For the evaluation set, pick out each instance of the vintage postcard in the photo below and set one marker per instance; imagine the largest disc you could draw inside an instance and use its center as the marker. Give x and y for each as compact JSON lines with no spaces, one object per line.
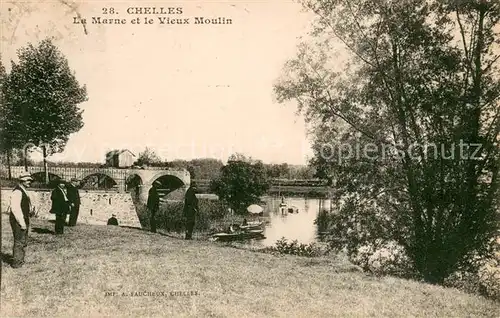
{"x":232,"y":158}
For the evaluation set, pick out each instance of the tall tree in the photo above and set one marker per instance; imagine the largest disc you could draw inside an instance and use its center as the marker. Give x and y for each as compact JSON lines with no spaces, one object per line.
{"x":13,"y":132}
{"x":148,"y":157}
{"x":206,"y":168}
{"x":192,"y":172}
{"x":241,"y":182}
{"x":45,"y":95}
{"x":409,"y":127}
{"x":5,"y":142}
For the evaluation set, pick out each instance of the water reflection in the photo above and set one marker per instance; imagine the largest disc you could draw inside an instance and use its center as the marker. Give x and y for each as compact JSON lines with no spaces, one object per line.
{"x":297,"y":226}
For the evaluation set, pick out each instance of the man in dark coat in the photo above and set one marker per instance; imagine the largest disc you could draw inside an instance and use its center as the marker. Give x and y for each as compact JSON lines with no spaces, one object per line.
{"x":190,"y":210}
{"x":153,"y":205}
{"x":74,"y":200}
{"x":60,"y":206}
{"x":19,"y":217}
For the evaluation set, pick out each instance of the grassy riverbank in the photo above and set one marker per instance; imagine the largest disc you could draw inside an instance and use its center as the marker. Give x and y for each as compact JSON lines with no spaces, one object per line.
{"x":70,"y":275}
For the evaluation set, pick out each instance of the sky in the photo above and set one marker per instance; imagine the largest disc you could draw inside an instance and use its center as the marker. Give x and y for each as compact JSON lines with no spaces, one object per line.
{"x":185,"y":91}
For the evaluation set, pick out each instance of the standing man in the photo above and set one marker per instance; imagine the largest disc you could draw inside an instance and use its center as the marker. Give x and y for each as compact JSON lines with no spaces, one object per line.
{"x":74,"y":200}
{"x":190,"y":210}
{"x":19,"y":217}
{"x":60,"y":206}
{"x":153,"y":205}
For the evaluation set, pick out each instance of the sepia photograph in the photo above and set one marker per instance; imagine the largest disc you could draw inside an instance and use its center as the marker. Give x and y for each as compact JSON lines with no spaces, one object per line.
{"x":250,"y":158}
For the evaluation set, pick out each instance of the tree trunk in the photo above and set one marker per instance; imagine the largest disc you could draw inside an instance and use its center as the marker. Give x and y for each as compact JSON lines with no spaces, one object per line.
{"x":26,"y":159}
{"x":9,"y":153}
{"x":45,"y":170}
{"x":1,"y":262}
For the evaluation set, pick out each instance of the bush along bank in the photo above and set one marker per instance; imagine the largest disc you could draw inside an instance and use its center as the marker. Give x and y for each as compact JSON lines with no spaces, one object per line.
{"x":283,"y":246}
{"x":389,"y":258}
{"x":170,"y":217}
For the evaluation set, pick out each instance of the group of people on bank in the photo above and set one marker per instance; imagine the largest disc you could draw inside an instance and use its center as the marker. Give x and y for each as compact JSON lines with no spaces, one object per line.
{"x":66,"y":201}
{"x":190,"y":208}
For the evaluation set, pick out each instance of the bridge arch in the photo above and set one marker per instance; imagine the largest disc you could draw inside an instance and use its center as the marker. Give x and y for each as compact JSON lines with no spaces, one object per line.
{"x":178,"y":175}
{"x":133,"y":182}
{"x":168,"y":183}
{"x":98,"y":181}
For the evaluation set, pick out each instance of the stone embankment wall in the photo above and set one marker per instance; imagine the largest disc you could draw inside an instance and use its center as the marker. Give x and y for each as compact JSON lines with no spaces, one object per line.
{"x":96,"y":206}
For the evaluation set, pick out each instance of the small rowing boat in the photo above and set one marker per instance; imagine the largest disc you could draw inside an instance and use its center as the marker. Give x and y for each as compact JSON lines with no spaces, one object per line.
{"x":239,"y":236}
{"x":293,"y":209}
{"x":252,"y":226}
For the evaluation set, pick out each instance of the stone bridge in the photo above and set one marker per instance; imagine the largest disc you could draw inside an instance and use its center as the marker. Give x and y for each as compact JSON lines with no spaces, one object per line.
{"x":127,"y":198}
{"x":122,"y":179}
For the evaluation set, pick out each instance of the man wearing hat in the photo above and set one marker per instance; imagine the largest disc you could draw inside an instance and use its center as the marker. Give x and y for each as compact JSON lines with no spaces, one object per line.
{"x":60,"y":206}
{"x":153,"y":205}
{"x":19,"y":217}
{"x":74,"y":200}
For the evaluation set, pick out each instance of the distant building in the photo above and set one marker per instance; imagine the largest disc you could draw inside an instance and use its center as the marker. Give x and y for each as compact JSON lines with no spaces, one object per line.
{"x":120,"y":158}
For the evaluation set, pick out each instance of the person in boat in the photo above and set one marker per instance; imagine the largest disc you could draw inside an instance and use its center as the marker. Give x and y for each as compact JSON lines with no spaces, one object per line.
{"x":233,"y":228}
{"x":283,"y":205}
{"x":245,"y":222}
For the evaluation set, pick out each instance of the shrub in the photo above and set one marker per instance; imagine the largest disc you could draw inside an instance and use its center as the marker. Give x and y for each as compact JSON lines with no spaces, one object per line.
{"x":322,"y":221}
{"x":171,"y":216}
{"x":485,"y":282}
{"x":210,"y":211}
{"x":386,"y":257}
{"x":295,"y":248}
{"x":143,"y":214}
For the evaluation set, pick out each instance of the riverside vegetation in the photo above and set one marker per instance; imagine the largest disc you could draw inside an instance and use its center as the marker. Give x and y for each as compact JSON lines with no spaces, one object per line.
{"x":212,"y":215}
{"x":213,"y":218}
{"x":388,"y":259}
{"x":414,"y":77}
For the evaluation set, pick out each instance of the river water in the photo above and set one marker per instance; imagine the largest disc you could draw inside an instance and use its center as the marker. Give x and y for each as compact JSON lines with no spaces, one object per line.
{"x":292,"y":226}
